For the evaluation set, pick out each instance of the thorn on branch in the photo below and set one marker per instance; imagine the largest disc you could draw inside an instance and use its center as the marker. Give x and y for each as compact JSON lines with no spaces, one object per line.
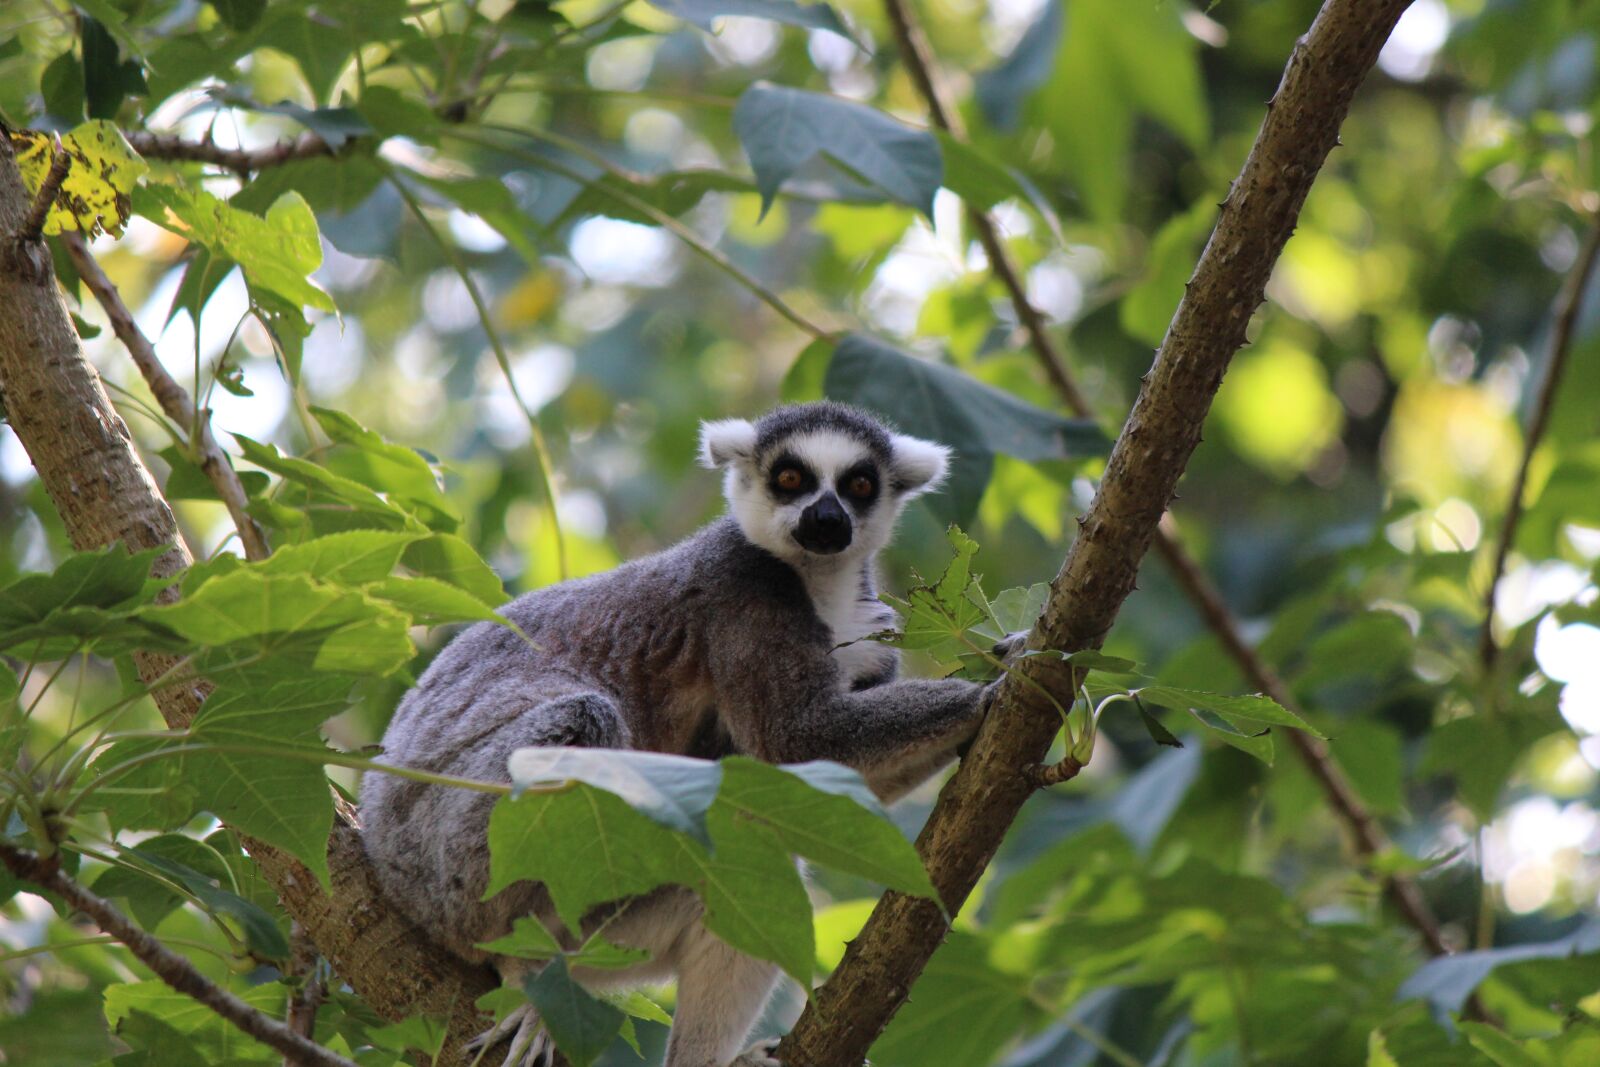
{"x":60,"y":163}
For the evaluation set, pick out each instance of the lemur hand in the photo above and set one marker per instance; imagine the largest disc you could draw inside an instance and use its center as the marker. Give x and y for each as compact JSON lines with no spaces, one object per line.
{"x":1011,"y":644}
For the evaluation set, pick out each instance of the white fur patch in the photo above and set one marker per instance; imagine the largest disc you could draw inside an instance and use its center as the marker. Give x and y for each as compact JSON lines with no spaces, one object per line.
{"x":919,"y":465}
{"x":723,"y":441}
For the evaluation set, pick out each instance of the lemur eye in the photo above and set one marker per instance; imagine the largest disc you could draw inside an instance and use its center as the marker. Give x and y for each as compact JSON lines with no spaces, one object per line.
{"x":790,"y":478}
{"x":860,"y":487}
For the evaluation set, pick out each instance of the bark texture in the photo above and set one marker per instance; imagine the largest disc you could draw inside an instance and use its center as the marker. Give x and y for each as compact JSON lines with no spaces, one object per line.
{"x":980,"y":802}
{"x":87,"y":461}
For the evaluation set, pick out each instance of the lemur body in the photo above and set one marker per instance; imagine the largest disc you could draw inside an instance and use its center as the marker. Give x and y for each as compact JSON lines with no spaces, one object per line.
{"x":727,"y":642}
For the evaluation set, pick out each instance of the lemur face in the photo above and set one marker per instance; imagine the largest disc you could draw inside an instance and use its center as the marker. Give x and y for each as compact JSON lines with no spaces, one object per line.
{"x":819,"y":481}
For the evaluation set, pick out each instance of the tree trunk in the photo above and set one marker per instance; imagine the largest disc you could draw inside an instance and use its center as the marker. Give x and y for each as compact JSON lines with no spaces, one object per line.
{"x":88,"y":464}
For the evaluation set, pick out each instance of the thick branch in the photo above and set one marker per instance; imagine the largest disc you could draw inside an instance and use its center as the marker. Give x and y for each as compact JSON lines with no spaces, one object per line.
{"x":979,"y":803}
{"x":242,"y":161}
{"x":1568,"y":306}
{"x":87,"y":463}
{"x":171,"y":396}
{"x":1365,"y":833}
{"x":168,"y":966}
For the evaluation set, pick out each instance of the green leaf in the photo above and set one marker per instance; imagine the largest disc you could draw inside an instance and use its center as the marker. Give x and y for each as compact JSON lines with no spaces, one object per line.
{"x":186,"y":481}
{"x":582,"y":1025}
{"x":92,"y":597}
{"x":215,"y":1040}
{"x":586,"y":845}
{"x":674,"y":791}
{"x":704,"y":13}
{"x":782,"y":129}
{"x":431,"y":602}
{"x":1095,"y":660}
{"x":803,"y":382}
{"x":494,"y":203}
{"x":283,"y":800}
{"x":400,"y":473}
{"x":937,"y":618}
{"x":261,"y":933}
{"x":107,"y":76}
{"x":320,"y":50}
{"x":1253,"y":707}
{"x":753,"y":895}
{"x":1504,"y":1050}
{"x":1002,"y":90}
{"x":324,"y":483}
{"x":289,"y":615}
{"x":1447,"y":981}
{"x":450,"y":559}
{"x":825,"y":812}
{"x":338,"y":126}
{"x":1018,"y":608}
{"x":1257,"y":743}
{"x":240,"y":16}
{"x":277,"y":252}
{"x":1158,"y":733}
{"x":529,"y":938}
{"x":355,"y":557}
{"x":940,"y":403}
{"x":975,"y":177}
{"x":675,"y":192}
{"x":1480,"y":751}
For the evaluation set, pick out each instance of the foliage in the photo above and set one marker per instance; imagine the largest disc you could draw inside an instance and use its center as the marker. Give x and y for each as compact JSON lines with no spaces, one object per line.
{"x":469,"y":274}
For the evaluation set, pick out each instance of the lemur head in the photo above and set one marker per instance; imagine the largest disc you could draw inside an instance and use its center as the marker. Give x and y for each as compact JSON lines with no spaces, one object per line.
{"x":823,"y":480}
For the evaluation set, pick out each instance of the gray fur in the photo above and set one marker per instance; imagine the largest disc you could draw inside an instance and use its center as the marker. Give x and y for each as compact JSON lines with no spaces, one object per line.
{"x":713,"y":646}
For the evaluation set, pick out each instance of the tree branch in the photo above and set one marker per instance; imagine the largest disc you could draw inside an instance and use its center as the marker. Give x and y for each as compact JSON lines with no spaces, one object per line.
{"x":60,"y":163}
{"x":1366,"y":835}
{"x":168,"y":966}
{"x":1568,"y":305}
{"x":87,"y":463}
{"x":979,"y":803}
{"x":171,"y":396}
{"x":242,"y":161}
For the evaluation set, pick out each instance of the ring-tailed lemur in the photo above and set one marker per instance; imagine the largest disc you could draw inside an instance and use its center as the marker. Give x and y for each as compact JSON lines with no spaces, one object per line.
{"x":735,"y":640}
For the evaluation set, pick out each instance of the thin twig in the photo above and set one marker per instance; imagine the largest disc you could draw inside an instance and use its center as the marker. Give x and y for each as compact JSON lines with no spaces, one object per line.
{"x":60,"y":163}
{"x":172,"y":397}
{"x":541,"y":449}
{"x":307,"y":995}
{"x":242,"y":161}
{"x":170,"y":967}
{"x":1366,"y":835}
{"x":1568,"y":306}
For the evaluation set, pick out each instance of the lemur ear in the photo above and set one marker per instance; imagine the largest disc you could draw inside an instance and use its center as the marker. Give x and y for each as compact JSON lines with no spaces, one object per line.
{"x":724,"y":441}
{"x":919,"y":466}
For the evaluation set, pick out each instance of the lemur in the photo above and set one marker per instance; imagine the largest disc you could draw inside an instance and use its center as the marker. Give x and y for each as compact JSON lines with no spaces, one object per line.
{"x":744,"y":638}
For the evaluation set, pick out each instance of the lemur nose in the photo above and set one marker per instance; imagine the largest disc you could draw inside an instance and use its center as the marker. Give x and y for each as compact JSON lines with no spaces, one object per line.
{"x":824,"y":526}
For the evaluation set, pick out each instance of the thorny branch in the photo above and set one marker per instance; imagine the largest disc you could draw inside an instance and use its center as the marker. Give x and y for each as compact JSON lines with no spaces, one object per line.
{"x":242,"y":161}
{"x":168,"y":966}
{"x":1366,"y":835}
{"x":848,"y":1012}
{"x":172,"y":397}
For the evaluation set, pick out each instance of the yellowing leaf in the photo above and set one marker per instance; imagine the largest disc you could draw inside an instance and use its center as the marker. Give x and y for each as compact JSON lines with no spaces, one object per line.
{"x":95,"y":194}
{"x":530,"y":300}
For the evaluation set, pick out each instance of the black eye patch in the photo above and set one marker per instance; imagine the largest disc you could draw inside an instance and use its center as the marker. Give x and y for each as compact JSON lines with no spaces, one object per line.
{"x":860,"y":485}
{"x":789,"y":478}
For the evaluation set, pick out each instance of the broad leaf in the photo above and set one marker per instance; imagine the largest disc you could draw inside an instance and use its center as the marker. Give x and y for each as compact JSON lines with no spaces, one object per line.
{"x":675,"y":791}
{"x":782,"y":129}
{"x":826,"y":813}
{"x":1252,"y":707}
{"x":278,"y":252}
{"x":582,"y":1025}
{"x":1447,"y":981}
{"x":704,"y":13}
{"x":95,"y":193}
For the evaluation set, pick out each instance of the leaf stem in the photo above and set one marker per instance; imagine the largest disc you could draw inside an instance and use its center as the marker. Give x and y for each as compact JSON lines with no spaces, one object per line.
{"x":541,"y":450}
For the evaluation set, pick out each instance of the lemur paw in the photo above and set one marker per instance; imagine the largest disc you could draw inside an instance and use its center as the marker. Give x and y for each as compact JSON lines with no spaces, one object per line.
{"x":530,"y":1044}
{"x":759,"y":1055}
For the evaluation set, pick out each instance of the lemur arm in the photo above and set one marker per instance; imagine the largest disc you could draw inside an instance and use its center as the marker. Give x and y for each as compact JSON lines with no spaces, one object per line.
{"x":782,"y":700}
